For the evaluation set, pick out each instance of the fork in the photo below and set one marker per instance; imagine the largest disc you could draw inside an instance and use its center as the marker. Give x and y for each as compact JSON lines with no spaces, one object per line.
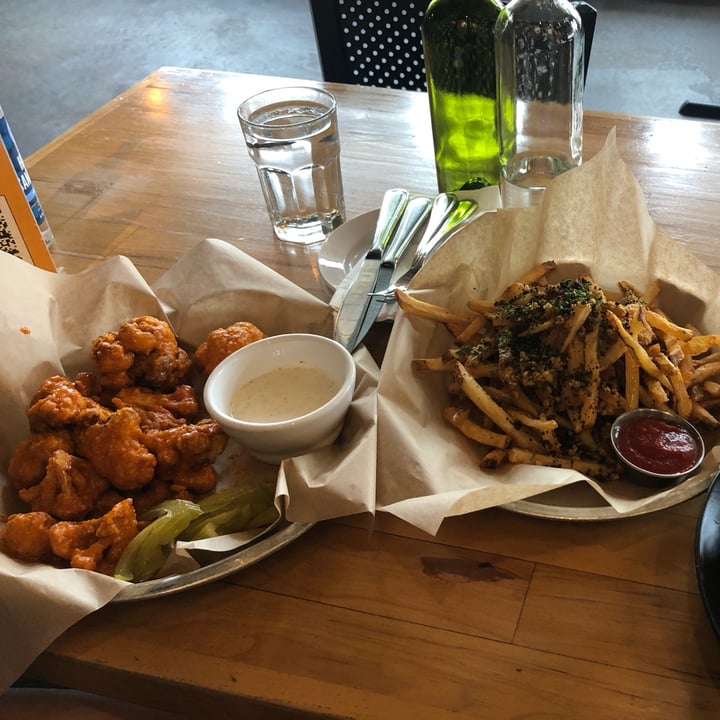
{"x":444,"y":221}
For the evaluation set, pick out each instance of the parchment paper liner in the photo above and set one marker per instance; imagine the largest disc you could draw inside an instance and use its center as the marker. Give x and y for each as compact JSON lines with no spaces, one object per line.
{"x":592,"y":218}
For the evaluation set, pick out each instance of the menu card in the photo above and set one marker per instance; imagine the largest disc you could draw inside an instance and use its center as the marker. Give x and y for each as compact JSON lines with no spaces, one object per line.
{"x":19,"y":231}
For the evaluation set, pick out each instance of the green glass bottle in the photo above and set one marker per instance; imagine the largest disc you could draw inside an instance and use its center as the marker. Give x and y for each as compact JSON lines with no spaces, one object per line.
{"x":459,"y":48}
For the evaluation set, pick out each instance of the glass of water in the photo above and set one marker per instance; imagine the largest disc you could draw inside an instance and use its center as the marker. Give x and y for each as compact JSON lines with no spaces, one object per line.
{"x":292,"y":137}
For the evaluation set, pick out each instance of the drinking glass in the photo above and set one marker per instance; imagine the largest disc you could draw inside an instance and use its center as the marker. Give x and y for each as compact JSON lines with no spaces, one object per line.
{"x":292,"y":137}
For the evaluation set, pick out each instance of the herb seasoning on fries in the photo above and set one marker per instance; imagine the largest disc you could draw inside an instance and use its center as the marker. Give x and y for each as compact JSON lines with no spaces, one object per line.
{"x":539,"y":373}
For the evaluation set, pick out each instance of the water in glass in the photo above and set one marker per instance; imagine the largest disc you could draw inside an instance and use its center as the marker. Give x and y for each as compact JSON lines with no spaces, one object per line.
{"x":296,"y":150}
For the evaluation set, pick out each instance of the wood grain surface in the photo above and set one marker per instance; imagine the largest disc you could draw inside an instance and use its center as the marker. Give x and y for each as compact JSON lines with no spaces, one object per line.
{"x":498,"y":616}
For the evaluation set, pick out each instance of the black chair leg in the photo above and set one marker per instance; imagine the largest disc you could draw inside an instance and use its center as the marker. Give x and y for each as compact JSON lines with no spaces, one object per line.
{"x":700,"y":110}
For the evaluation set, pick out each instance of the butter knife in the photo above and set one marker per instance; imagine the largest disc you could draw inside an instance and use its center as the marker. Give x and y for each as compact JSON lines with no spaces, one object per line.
{"x":415,"y":215}
{"x":355,"y":303}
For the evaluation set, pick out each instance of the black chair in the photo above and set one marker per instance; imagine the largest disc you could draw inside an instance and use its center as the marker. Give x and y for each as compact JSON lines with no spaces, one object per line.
{"x":380,"y":44}
{"x":704,"y":111}
{"x":361,"y":44}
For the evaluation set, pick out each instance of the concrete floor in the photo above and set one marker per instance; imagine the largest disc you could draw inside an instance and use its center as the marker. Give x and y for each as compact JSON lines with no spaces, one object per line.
{"x":62,"y":60}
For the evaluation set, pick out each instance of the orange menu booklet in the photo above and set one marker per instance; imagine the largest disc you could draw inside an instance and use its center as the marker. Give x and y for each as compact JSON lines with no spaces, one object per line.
{"x":19,"y":232}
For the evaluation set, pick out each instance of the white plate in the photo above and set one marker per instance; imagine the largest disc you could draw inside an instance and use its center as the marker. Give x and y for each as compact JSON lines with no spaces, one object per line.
{"x":345,"y":246}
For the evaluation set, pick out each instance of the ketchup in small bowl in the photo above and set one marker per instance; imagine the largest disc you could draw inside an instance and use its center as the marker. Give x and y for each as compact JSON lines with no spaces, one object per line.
{"x":659,"y":446}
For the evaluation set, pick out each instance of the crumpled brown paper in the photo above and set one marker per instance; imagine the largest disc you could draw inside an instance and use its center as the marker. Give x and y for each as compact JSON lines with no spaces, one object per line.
{"x":592,"y":218}
{"x":47,"y":323}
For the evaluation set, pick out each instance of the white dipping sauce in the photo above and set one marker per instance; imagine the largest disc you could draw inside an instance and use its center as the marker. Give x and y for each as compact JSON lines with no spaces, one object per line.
{"x":282,"y":394}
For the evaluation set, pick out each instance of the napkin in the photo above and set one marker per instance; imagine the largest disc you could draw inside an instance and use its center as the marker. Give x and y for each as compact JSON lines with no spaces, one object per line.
{"x":47,"y":323}
{"x":592,"y":218}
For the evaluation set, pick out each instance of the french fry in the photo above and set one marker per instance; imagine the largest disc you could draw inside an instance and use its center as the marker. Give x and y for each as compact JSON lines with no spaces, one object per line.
{"x":587,"y":467}
{"x":706,"y":371}
{"x":425,"y":309}
{"x":700,"y":414}
{"x":706,"y":359}
{"x":653,"y":395}
{"x":477,"y":394}
{"x":589,"y":407}
{"x":493,"y":458}
{"x":533,"y":275}
{"x":436,"y":364}
{"x":484,"y":307}
{"x":641,"y":354}
{"x":613,"y":354}
{"x":580,"y":315}
{"x":537,"y":273}
{"x":632,"y":382}
{"x":572,"y":391}
{"x":683,"y":404}
{"x":472,"y":329}
{"x":675,"y":351}
{"x":610,"y":402}
{"x":660,"y":322}
{"x":628,"y":291}
{"x":702,"y":343}
{"x":542,"y":425}
{"x":651,"y":293}
{"x":522,"y":401}
{"x":482,"y":370}
{"x":711,"y":388}
{"x":460,"y":419}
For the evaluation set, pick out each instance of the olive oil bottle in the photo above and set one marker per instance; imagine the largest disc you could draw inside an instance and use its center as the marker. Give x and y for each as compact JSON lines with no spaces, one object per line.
{"x":459,"y":48}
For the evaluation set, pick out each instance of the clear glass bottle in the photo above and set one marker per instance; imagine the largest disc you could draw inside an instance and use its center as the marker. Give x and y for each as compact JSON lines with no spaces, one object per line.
{"x":540,"y":78}
{"x":8,"y":140}
{"x":459,"y":49}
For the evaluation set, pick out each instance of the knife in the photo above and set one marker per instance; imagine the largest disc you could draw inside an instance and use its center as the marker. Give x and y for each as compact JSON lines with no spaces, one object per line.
{"x":413,"y":218}
{"x":357,"y":299}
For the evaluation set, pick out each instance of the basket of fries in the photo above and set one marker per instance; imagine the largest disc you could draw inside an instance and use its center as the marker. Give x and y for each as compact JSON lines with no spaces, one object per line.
{"x":522,"y":340}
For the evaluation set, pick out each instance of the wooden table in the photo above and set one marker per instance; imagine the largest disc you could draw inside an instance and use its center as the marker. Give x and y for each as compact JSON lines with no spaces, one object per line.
{"x":499,"y":615}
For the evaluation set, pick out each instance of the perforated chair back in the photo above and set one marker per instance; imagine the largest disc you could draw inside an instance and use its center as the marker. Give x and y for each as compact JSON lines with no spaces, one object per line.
{"x":379,"y":42}
{"x":368,"y":42}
